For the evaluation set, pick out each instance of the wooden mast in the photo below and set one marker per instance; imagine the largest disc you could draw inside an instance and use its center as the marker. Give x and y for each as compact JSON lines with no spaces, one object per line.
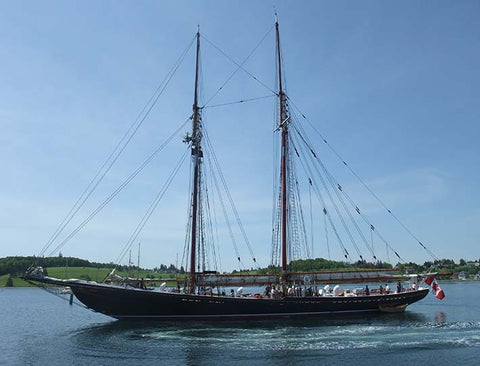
{"x":283,"y":124}
{"x":196,"y":155}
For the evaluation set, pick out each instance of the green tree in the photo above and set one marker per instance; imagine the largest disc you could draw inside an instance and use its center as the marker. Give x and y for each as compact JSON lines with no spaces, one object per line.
{"x":9,"y":282}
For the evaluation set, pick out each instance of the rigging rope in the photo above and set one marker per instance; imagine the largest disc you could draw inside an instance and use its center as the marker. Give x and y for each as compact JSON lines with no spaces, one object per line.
{"x":335,"y":206}
{"x":364,"y":184}
{"x":311,"y":214}
{"x":117,"y":151}
{"x":45,"y":288}
{"x":151,"y":208}
{"x":308,"y":171}
{"x":225,"y":214}
{"x":239,"y":101}
{"x":368,"y":222}
{"x":302,"y":220}
{"x":239,"y":66}
{"x":276,"y":193}
{"x":336,"y":187}
{"x":186,"y":247}
{"x":326,"y":234}
{"x":119,"y":188}
{"x":210,"y":224}
{"x":354,"y":206}
{"x":229,"y":196}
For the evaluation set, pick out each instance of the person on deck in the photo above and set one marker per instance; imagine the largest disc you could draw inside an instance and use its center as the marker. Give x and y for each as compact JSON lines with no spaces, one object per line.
{"x":367,"y":290}
{"x":267,"y":290}
{"x":399,"y":287}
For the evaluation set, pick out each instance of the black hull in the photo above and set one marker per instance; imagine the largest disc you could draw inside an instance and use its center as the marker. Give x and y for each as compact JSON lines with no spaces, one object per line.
{"x":129,"y":303}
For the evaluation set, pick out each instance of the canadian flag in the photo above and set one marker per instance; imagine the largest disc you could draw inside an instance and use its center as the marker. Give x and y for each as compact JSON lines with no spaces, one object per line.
{"x":439,"y":294}
{"x":429,"y":280}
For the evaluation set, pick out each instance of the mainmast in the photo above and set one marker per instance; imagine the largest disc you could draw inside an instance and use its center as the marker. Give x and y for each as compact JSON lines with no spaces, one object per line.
{"x":197,"y":156}
{"x":283,"y":125}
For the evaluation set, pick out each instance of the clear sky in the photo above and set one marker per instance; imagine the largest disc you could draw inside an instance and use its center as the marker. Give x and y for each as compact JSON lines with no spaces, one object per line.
{"x":393,"y":86}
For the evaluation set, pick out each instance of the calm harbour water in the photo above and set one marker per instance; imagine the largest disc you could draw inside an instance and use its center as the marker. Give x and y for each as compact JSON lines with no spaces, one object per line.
{"x":40,"y":329}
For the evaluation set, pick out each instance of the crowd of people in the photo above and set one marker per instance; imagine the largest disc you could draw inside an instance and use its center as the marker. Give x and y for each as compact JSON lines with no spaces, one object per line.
{"x":273,"y":291}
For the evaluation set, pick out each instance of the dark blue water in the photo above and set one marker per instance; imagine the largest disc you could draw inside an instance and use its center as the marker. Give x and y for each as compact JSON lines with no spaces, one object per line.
{"x":40,"y":329}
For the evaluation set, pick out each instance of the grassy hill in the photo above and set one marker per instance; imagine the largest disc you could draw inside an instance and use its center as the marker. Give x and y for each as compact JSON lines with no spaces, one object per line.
{"x":98,"y":274}
{"x":66,"y":268}
{"x":17,"y":281}
{"x":88,"y":273}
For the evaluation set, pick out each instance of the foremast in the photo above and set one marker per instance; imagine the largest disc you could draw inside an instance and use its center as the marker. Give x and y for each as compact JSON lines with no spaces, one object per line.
{"x":197,"y":157}
{"x":283,"y":126}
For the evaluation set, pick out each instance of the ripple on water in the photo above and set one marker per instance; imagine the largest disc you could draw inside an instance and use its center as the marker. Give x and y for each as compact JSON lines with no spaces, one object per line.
{"x":426,"y":336}
{"x":389,"y":334}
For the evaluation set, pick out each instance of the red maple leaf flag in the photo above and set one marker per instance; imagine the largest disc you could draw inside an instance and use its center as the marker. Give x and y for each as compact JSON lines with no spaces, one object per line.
{"x":429,"y":280}
{"x":440,"y":294}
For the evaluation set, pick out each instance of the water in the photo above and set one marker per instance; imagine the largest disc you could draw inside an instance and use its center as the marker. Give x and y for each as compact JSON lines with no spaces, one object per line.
{"x":39,"y":329}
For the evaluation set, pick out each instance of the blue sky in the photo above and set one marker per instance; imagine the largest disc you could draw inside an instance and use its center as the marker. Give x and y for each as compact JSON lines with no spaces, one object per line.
{"x":393,"y":86}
